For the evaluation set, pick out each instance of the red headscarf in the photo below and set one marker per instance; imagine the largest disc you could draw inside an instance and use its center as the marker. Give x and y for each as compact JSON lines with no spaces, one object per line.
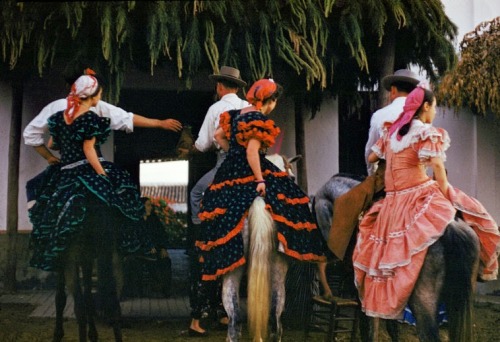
{"x":85,"y":86}
{"x":413,"y":102}
{"x":260,"y":91}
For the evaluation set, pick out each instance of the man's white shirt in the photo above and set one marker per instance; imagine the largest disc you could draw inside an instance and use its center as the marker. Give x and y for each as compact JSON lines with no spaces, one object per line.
{"x":388,"y":113}
{"x":34,"y":133}
{"x":205,"y":140}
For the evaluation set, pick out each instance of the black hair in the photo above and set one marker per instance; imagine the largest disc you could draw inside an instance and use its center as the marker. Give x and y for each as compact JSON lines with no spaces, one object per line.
{"x":403,"y":86}
{"x":429,"y":98}
{"x":70,"y":76}
{"x":276,"y":95}
{"x":228,"y":84}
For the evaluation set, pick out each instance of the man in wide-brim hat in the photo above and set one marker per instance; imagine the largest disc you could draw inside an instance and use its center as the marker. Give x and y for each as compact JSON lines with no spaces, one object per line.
{"x":399,"y":85}
{"x":228,"y":84}
{"x":229,"y":74}
{"x":400,"y":76}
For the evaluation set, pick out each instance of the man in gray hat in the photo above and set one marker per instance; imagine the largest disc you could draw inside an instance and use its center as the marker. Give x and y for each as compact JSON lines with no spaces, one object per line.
{"x":399,"y":85}
{"x":228,"y":82}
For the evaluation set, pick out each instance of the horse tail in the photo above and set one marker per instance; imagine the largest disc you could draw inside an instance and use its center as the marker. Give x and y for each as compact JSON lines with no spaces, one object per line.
{"x":259,"y":269}
{"x":461,"y":250}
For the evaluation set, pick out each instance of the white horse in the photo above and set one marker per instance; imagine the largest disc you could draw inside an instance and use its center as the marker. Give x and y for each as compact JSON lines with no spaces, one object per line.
{"x":266,"y":274}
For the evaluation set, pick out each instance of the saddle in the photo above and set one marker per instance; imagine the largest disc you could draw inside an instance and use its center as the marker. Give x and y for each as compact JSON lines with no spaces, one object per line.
{"x":348,"y":208}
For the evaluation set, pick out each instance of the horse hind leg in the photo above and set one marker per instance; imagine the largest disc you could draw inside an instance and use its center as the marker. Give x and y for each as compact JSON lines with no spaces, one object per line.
{"x":392,"y":328}
{"x":104,"y":225}
{"x":425,"y":298}
{"x":108,"y":294}
{"x":460,"y":244}
{"x":89,"y":300}
{"x":278,"y":274}
{"x":60,"y":302}
{"x":73,"y":281}
{"x":231,"y":301}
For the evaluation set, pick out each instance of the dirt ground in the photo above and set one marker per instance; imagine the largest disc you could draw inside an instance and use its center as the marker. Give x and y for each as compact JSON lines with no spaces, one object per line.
{"x":17,"y":326}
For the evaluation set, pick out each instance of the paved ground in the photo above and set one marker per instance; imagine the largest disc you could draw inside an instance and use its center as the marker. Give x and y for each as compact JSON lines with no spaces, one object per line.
{"x":177,"y":306}
{"x":166,"y":308}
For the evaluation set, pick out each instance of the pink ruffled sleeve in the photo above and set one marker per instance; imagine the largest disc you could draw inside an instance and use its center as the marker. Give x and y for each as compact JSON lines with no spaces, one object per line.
{"x":433,"y":143}
{"x":379,"y":147}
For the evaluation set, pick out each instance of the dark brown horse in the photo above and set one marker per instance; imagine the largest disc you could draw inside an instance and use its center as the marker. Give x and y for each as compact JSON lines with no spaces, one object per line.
{"x":96,"y":244}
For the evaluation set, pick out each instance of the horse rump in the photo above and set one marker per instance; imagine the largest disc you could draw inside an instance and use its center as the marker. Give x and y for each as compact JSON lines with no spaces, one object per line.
{"x":461,"y":254}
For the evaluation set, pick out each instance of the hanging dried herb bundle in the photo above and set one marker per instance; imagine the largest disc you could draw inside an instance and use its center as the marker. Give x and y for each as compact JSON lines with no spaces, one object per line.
{"x":475,"y":82}
{"x":317,"y":44}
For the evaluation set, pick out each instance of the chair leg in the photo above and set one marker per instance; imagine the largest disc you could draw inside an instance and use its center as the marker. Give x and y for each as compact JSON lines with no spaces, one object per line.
{"x":332,"y":326}
{"x":307,"y":327}
{"x":355,"y":324}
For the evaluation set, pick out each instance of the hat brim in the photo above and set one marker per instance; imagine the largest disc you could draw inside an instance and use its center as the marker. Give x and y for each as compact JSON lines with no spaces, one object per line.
{"x":389,"y":80}
{"x":238,"y":81}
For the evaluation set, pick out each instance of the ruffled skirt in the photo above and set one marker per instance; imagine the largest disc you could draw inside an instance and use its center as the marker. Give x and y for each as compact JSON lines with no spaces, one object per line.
{"x":392,"y":243}
{"x":476,"y":216}
{"x":61,"y":208}
{"x":225,"y":207}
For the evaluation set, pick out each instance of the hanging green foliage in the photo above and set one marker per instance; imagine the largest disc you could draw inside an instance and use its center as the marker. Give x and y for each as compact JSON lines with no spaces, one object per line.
{"x":319,"y":45}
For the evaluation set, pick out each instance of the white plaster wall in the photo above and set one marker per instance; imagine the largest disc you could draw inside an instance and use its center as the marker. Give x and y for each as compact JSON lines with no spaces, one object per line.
{"x":488,"y":164}
{"x":5,"y":113}
{"x":284,"y":117}
{"x":459,"y":163}
{"x":322,"y":145}
{"x":467,"y":14}
{"x":322,"y":141}
{"x":474,"y":158}
{"x":37,"y":93}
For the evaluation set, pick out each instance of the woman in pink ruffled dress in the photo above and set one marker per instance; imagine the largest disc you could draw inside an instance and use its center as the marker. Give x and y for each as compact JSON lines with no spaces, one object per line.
{"x":396,"y":232}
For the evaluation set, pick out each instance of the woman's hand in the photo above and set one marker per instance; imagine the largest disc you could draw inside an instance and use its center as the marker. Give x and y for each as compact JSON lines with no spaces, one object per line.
{"x":163,"y":253}
{"x":261,"y":188}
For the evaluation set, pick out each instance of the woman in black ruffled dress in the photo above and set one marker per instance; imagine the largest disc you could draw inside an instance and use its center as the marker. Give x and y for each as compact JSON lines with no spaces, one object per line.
{"x":87,"y":200}
{"x":245,"y":174}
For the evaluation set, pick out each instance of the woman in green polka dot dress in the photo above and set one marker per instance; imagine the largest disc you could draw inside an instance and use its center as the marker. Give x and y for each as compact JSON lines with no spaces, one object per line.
{"x":87,"y":195}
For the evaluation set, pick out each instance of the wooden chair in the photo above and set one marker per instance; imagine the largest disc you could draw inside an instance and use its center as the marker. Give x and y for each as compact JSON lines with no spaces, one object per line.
{"x":338,"y":314}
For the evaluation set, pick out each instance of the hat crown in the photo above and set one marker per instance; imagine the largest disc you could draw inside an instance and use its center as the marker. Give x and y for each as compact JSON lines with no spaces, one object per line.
{"x":229,"y":71}
{"x":401,"y":75}
{"x":230,"y":74}
{"x":405,"y":73}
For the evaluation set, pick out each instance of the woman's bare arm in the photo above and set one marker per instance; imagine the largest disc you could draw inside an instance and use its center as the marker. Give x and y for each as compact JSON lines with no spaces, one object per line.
{"x":220,"y":138}
{"x":440,"y":174}
{"x":253,"y":159}
{"x":372,"y":158}
{"x":91,"y":154}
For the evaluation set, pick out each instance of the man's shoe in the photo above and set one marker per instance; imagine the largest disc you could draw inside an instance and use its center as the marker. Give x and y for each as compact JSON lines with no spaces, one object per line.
{"x":194,"y":333}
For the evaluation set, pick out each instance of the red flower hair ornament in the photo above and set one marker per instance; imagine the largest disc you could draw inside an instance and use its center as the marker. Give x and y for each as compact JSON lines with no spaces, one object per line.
{"x":260,"y":91}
